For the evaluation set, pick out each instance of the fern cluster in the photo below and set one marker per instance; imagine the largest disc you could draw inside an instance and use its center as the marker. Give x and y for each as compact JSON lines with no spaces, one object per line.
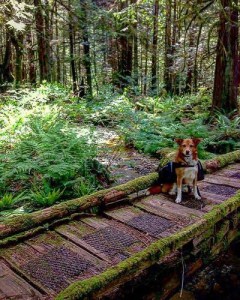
{"x":51,"y":161}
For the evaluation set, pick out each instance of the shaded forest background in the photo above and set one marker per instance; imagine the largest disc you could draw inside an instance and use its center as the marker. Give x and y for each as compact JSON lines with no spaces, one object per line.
{"x":148,"y":47}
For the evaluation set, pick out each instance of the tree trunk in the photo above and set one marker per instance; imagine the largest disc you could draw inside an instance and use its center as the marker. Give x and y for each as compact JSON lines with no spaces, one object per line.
{"x":126,"y":50}
{"x":58,"y":57}
{"x":42,"y":47}
{"x":190,"y":61}
{"x":146,"y":67}
{"x":168,"y":47}
{"x":154,"y":48}
{"x":72,"y":54}
{"x":86,"y":47}
{"x":17,"y":41}
{"x":31,"y":58}
{"x":195,"y":70}
{"x":226,"y":69}
{"x":6,"y":67}
{"x":135,"y":50}
{"x":48,"y":35}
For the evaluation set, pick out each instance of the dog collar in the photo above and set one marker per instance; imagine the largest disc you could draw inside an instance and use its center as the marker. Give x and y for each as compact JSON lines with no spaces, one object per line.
{"x":181,"y":165}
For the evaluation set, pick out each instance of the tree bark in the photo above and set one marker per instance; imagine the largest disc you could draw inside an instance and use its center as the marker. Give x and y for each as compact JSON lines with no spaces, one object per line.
{"x":6,"y":67}
{"x":86,"y":48}
{"x":42,"y":47}
{"x":155,"y":47}
{"x":72,"y":54}
{"x":226,"y":69}
{"x":168,"y":48}
{"x":125,"y":41}
{"x":31,"y":59}
{"x":17,"y":41}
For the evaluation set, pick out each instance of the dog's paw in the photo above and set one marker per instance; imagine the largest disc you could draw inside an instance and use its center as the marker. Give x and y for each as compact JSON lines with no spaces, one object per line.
{"x":197,"y":197}
{"x":172,"y":193}
{"x":178,"y":200}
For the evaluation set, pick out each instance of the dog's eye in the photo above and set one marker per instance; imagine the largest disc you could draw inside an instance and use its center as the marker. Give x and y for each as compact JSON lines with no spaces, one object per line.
{"x":191,"y":146}
{"x":184,"y":146}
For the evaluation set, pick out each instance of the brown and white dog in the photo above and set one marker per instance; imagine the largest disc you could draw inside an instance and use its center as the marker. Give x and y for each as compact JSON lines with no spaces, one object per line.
{"x":186,"y":172}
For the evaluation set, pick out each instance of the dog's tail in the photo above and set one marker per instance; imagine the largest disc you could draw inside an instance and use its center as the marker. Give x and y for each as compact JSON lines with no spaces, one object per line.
{"x":155,"y":189}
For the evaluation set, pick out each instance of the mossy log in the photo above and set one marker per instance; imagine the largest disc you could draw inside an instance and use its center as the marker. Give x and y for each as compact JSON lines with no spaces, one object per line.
{"x":25,"y":222}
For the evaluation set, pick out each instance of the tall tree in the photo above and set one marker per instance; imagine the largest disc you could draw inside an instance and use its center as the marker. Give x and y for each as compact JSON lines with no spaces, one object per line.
{"x":86,"y":45}
{"x":125,"y":44}
{"x":41,"y":40}
{"x":168,"y":47}
{"x":155,"y":47}
{"x":72,"y":50}
{"x":6,"y":66}
{"x":227,"y":67}
{"x":17,"y":41}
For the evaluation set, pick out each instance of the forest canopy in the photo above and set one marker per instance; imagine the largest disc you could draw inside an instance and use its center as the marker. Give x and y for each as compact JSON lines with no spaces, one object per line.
{"x":149,"y":47}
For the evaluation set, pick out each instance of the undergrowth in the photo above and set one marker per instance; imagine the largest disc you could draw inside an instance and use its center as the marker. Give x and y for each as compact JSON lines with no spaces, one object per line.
{"x":46,"y":153}
{"x":43,"y":158}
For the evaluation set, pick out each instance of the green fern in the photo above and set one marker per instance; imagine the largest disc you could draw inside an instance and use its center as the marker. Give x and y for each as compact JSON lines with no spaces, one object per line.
{"x":45,"y":197}
{"x":8,"y":200}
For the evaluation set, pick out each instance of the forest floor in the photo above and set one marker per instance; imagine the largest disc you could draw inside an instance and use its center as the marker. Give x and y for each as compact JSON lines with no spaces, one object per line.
{"x":123,"y":163}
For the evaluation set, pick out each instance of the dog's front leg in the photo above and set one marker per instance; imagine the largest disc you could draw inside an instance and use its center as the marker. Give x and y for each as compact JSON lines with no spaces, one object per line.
{"x":195,"y":189}
{"x":179,"y":190}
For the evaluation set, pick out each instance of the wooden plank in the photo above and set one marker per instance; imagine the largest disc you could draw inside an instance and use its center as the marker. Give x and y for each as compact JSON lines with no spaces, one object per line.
{"x":235,"y":166}
{"x":213,"y":198}
{"x":151,"y":224}
{"x":167,"y":204}
{"x":94,"y":232}
{"x":14,"y":287}
{"x":97,"y":222}
{"x":226,"y":173}
{"x":216,"y":193}
{"x":220,"y":180}
{"x":74,"y":232}
{"x":152,"y":204}
{"x":18,"y":256}
{"x":44,"y":258}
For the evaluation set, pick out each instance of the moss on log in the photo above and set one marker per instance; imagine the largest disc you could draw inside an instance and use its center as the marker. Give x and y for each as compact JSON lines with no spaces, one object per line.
{"x":221,"y":161}
{"x":86,"y":288}
{"x":25,"y":222}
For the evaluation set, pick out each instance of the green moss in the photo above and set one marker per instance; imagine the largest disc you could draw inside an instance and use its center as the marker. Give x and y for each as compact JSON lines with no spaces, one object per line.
{"x":21,"y":236}
{"x":222,"y":231}
{"x":64,"y":209}
{"x":152,"y":254}
{"x":138,"y":184}
{"x":228,"y":158}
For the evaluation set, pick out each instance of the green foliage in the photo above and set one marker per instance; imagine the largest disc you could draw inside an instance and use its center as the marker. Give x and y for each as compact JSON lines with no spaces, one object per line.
{"x":44,"y":196}
{"x":48,"y":150}
{"x":42,"y":153}
{"x":8,"y":200}
{"x":226,"y":135}
{"x":106,"y":109}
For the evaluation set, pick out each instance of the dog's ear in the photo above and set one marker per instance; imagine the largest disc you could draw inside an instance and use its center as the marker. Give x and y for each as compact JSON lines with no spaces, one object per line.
{"x":178,"y":141}
{"x":196,"y":141}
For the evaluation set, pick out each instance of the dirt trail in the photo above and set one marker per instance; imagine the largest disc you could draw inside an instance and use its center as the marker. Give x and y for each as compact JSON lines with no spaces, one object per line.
{"x":123,"y":163}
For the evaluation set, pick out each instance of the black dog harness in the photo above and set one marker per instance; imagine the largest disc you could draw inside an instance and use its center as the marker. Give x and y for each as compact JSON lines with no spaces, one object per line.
{"x":167,"y":174}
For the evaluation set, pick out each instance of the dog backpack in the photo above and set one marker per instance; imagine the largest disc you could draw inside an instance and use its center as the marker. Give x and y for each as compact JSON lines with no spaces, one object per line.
{"x":167,"y":174}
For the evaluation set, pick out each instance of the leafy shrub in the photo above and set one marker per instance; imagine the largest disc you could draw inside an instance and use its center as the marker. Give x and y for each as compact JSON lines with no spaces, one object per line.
{"x":8,"y":201}
{"x":44,"y":196}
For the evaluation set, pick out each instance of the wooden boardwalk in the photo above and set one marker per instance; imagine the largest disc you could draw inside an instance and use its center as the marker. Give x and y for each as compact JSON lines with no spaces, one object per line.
{"x":41,"y":266}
